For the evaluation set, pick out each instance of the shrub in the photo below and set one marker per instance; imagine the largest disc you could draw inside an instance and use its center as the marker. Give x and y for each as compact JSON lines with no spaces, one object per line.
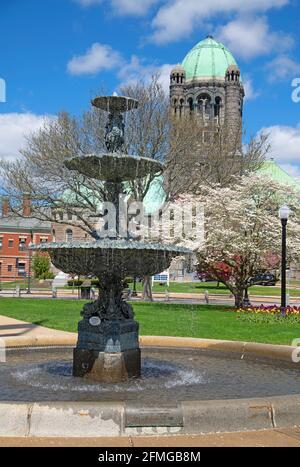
{"x":95,"y":283}
{"x":75,"y":283}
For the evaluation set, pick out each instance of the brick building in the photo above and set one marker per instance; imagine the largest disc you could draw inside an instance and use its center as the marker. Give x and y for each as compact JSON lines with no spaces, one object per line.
{"x":16,"y":233}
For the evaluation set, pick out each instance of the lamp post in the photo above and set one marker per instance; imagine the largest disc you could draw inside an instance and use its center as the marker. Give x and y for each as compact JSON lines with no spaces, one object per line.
{"x":29,"y":265}
{"x":284,"y":213}
{"x":134,"y":292}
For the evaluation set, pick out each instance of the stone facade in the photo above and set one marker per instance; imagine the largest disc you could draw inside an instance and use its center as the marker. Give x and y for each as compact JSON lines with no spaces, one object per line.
{"x":214,"y":100}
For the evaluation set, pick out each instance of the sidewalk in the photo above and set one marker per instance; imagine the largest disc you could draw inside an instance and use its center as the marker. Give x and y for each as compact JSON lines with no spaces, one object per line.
{"x":176,"y":298}
{"x":261,"y":438}
{"x":31,"y":334}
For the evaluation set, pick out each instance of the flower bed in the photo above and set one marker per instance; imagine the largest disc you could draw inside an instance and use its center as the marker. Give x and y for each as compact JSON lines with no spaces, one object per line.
{"x":270,"y":313}
{"x":270,"y":309}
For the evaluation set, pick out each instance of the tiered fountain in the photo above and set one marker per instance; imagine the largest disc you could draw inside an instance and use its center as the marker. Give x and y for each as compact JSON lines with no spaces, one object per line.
{"x":108,"y":339}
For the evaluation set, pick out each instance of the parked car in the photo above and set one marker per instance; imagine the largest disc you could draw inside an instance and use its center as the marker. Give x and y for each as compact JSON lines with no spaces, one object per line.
{"x":204,"y":277}
{"x":263,"y":279}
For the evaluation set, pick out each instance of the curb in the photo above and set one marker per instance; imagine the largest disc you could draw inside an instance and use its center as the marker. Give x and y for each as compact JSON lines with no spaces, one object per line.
{"x":244,"y":349}
{"x":85,"y":419}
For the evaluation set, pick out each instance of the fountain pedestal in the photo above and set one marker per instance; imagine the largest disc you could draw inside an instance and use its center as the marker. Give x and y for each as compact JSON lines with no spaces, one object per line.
{"x":107,"y":352}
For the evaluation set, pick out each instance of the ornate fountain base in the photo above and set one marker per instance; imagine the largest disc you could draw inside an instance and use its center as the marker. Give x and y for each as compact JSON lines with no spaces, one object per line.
{"x":108,"y":352}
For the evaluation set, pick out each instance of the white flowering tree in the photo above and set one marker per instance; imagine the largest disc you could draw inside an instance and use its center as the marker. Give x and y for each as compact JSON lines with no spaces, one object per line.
{"x":242,"y":229}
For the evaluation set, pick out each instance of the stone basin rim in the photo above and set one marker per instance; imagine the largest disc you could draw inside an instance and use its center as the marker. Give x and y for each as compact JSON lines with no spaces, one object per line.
{"x":111,"y":244}
{"x":118,"y":156}
{"x":45,"y":419}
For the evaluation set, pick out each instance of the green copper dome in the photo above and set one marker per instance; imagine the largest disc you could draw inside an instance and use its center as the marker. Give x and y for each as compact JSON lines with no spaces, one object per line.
{"x":209,"y":59}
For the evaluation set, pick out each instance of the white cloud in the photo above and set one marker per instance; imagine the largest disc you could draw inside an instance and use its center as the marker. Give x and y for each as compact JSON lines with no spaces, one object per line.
{"x":97,"y":58}
{"x":285,"y":146}
{"x":123,"y":7}
{"x":250,"y":37}
{"x":132,"y":7}
{"x":87,"y":3}
{"x":137,"y":70}
{"x":13,"y":129}
{"x":250,"y":92}
{"x":282,"y":68}
{"x":178,"y":18}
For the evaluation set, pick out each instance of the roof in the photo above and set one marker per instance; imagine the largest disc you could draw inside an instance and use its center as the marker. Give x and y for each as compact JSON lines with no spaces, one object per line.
{"x":24,"y":223}
{"x":208,"y":59}
{"x":272,"y":169}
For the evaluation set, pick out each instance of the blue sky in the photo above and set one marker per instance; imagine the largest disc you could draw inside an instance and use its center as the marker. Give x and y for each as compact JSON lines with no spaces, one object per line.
{"x":55,"y":54}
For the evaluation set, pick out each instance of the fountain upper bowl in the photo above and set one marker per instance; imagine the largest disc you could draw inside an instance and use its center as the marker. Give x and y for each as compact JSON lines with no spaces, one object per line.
{"x":114,"y":167}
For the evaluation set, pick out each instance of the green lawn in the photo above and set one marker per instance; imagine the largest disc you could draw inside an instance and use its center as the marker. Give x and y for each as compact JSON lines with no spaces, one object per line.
{"x":163,"y":319}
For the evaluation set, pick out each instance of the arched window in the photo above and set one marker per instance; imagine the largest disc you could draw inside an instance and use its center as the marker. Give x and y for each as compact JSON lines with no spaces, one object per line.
{"x":181,"y":106}
{"x":204,"y":104}
{"x":175,"y":105}
{"x":191,"y":104}
{"x":241,"y":107}
{"x":53,"y":235}
{"x":217,"y":106}
{"x":69,"y":235}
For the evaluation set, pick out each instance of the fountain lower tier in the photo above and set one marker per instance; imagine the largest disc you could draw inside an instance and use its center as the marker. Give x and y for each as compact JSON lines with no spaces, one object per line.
{"x":108,"y":339}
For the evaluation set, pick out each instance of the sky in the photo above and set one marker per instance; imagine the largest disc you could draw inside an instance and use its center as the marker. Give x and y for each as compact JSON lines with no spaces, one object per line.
{"x":56,"y":54}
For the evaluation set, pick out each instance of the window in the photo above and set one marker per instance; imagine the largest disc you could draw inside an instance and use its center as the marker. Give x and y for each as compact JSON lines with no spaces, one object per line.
{"x":1,"y":243}
{"x":204,"y":104}
{"x":21,"y":269}
{"x":9,"y":268}
{"x":22,"y":244}
{"x":191,"y":104}
{"x":10,"y":243}
{"x":69,"y":235}
{"x":70,"y":216}
{"x":217,"y":107}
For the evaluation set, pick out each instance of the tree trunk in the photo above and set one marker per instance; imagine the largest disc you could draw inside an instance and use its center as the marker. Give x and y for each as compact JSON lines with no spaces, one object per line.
{"x":147,"y":289}
{"x":238,"y":298}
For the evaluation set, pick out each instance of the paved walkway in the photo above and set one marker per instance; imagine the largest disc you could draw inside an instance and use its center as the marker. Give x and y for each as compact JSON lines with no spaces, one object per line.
{"x":174,"y":298}
{"x":262,"y":438}
{"x":30,"y":334}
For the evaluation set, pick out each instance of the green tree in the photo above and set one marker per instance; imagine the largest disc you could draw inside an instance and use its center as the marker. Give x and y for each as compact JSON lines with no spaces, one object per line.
{"x":41,"y":266}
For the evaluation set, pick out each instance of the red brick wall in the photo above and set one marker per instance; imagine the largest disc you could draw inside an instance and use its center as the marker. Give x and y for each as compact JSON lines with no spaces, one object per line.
{"x":10,"y":255}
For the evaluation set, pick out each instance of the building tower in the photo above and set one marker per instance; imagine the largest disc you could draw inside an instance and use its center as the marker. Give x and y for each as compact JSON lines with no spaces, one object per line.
{"x":208,"y":84}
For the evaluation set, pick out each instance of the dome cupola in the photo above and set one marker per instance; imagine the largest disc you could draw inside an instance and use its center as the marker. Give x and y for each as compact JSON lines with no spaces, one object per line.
{"x":208,"y":59}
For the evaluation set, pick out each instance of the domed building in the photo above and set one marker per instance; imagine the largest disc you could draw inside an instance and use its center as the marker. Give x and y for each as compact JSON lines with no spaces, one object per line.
{"x":208,"y":83}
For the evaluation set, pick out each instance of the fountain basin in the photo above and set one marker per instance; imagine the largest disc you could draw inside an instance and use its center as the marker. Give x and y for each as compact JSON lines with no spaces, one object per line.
{"x":120,"y":257}
{"x":114,"y":167}
{"x":66,"y":407}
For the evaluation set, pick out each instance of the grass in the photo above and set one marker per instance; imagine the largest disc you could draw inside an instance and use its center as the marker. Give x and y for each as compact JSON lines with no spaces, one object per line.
{"x":218,"y":322}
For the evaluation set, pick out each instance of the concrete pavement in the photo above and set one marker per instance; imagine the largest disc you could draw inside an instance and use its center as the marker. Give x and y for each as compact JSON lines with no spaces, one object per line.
{"x":261,"y":438}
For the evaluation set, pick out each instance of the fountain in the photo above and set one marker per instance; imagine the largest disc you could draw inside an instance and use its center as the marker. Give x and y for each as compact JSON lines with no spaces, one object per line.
{"x":108,"y":336}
